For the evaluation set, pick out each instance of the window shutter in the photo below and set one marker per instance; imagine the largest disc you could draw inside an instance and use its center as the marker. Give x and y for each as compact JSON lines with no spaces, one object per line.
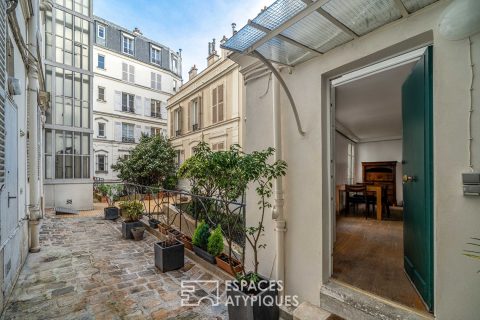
{"x":200,"y":112}
{"x":147,"y":107}
{"x":124,"y":71}
{"x":180,"y":119}
{"x":214,"y":105}
{"x":118,"y":131}
{"x":189,"y":112}
{"x":117,"y":103}
{"x":137,"y":133}
{"x":171,"y":124}
{"x":147,"y":130}
{"x":132,"y":73}
{"x":159,"y":82}
{"x":163,"y":109}
{"x":138,"y":105}
{"x":152,"y":80}
{"x":220,"y":103}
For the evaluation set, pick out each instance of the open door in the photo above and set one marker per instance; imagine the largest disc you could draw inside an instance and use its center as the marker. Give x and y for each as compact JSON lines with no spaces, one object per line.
{"x":418,"y":177}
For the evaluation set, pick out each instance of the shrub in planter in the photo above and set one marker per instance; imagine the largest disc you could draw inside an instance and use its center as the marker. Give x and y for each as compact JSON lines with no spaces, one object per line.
{"x":200,"y":242}
{"x":169,"y":254}
{"x":110,"y":192}
{"x":255,"y":297}
{"x":138,"y":233}
{"x":132,"y":212}
{"x":215,"y":242}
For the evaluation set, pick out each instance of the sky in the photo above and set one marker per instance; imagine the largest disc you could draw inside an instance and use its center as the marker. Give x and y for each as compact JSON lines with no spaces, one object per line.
{"x":182,"y":24}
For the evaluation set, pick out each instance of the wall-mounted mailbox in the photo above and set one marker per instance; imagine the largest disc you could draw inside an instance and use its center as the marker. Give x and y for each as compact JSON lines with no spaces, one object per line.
{"x":471,"y":184}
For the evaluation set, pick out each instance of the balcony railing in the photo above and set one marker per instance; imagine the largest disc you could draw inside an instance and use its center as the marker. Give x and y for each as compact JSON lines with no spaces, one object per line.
{"x":178,"y":133}
{"x":195,"y":127}
{"x":128,"y":109}
{"x":128,"y":139}
{"x":156,"y":115}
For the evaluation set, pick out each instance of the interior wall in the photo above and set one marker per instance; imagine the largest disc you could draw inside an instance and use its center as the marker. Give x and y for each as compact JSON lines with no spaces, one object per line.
{"x":341,"y":159}
{"x":390,"y":150}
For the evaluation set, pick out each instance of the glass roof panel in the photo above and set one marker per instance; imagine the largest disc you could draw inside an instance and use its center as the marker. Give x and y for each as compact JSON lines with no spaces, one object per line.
{"x":279,"y":12}
{"x":414,"y":5}
{"x":317,"y":32}
{"x":281,"y":51}
{"x":363,"y":16}
{"x":244,"y":38}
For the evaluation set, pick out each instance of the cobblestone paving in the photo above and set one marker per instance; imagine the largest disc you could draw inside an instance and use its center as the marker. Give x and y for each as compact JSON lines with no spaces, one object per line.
{"x":85,"y":270}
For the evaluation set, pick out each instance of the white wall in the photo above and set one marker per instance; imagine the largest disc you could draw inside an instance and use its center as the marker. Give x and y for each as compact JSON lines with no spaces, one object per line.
{"x":341,"y":159}
{"x":456,"y":218}
{"x":381,"y":151}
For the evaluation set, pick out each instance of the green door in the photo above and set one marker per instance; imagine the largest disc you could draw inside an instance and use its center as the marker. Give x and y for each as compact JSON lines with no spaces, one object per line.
{"x":418,"y":177}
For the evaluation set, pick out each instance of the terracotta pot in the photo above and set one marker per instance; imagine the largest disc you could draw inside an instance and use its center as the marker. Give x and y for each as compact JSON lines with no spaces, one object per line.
{"x":163,"y":228}
{"x":222,"y":262}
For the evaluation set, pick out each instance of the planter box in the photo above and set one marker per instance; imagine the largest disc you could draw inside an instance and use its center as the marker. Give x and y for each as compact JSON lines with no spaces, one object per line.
{"x":222,"y":263}
{"x":258,"y":308}
{"x":204,"y":254}
{"x":127,"y":228}
{"x":111,"y":213}
{"x":153,"y":223}
{"x":169,"y":258}
{"x":187,"y":242}
{"x":138,"y":233}
{"x":164,"y":229}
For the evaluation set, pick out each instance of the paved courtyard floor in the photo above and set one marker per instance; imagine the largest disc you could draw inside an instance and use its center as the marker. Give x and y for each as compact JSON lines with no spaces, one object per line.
{"x":85,"y":270}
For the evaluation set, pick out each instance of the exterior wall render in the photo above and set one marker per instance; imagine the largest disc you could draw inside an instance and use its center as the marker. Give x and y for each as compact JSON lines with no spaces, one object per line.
{"x":307,"y":211}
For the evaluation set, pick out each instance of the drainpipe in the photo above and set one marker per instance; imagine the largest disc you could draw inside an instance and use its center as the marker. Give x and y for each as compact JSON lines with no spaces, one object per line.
{"x":278,"y":216}
{"x":32,"y":114}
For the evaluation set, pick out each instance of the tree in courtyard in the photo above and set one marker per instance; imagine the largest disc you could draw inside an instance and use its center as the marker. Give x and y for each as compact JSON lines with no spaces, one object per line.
{"x":150,"y":163}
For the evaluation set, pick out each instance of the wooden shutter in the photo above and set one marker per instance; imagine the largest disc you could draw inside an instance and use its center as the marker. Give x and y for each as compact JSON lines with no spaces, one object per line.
{"x":131,"y":76}
{"x":159,"y":82}
{"x":118,"y":131}
{"x":152,"y":80}
{"x":137,"y":133}
{"x":147,"y":107}
{"x":172,"y":127}
{"x":124,"y":71}
{"x":180,"y":119}
{"x":220,"y":103}
{"x":214,"y":105}
{"x":117,"y":101}
{"x":163,"y":109}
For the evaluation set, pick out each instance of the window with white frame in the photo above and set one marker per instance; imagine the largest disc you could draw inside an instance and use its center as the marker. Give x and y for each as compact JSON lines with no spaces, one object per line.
{"x":155,"y":131}
{"x":128,"y":45}
{"x":101,"y":130}
{"x":102,"y":165}
{"x":174,"y":64}
{"x":351,"y":163}
{"x":101,"y":94}
{"x":155,"y":81}
{"x":128,"y":102}
{"x":128,"y":132}
{"x":177,"y":122}
{"x":101,"y":61}
{"x":155,"y":55}
{"x":194,"y":115}
{"x":101,"y":31}
{"x":219,"y":146}
{"x":155,"y":108}
{"x":128,"y":72}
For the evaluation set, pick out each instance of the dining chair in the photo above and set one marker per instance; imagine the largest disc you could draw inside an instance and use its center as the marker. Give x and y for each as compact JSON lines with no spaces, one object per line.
{"x":356,"y":194}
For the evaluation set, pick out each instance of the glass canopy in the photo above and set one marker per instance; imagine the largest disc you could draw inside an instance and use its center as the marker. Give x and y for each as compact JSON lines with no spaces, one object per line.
{"x":293,"y":31}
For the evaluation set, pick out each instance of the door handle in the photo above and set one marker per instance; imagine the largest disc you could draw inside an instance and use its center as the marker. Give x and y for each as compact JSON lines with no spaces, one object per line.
{"x":9,"y":198}
{"x":407,"y":179}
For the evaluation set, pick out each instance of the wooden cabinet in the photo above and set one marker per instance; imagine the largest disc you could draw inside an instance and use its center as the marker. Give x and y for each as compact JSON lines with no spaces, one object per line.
{"x":382,"y":174}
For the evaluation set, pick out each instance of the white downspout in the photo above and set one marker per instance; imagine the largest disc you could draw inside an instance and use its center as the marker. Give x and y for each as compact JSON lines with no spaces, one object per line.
{"x":32,"y":114}
{"x":278,"y":215}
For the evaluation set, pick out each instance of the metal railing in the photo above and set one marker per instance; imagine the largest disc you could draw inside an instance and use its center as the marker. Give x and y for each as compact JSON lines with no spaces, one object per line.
{"x":183,"y":210}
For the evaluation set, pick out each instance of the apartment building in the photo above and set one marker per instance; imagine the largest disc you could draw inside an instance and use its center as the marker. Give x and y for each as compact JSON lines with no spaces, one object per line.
{"x":209,"y":107}
{"x":134,"y":77}
{"x":23,"y":101}
{"x":68,"y":158}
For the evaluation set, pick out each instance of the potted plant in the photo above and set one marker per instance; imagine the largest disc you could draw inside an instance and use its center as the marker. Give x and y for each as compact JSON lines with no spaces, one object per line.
{"x":132,"y":212}
{"x":138,"y":233}
{"x":110,"y":192}
{"x":169,"y":254}
{"x":200,"y":242}
{"x":252,"y":286}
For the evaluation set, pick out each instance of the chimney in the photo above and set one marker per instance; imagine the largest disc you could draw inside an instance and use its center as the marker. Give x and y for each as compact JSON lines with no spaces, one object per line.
{"x":234,"y":25}
{"x":212,"y":54}
{"x":192,"y":73}
{"x":223,"y":51}
{"x":137,"y":32}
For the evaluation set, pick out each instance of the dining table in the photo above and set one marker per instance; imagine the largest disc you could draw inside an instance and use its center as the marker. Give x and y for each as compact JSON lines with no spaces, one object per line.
{"x":370,"y":188}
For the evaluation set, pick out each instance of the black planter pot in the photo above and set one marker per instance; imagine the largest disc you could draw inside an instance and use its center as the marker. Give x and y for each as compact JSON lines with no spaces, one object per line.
{"x":262,"y":307}
{"x":153,"y":223}
{"x":169,"y":258}
{"x":204,"y":254}
{"x":111,"y":213}
{"x":127,"y":228}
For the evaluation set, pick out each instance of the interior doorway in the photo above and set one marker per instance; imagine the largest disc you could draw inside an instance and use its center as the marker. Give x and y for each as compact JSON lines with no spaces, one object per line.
{"x":382,"y":118}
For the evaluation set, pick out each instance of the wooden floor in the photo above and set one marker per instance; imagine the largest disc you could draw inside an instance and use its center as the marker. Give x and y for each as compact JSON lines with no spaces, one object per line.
{"x":368,"y":254}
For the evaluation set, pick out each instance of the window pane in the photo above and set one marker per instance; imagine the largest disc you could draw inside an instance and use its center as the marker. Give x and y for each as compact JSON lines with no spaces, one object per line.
{"x":48,"y":167}
{"x":86,"y":167}
{"x":78,"y":167}
{"x":68,"y":167}
{"x":85,"y":144}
